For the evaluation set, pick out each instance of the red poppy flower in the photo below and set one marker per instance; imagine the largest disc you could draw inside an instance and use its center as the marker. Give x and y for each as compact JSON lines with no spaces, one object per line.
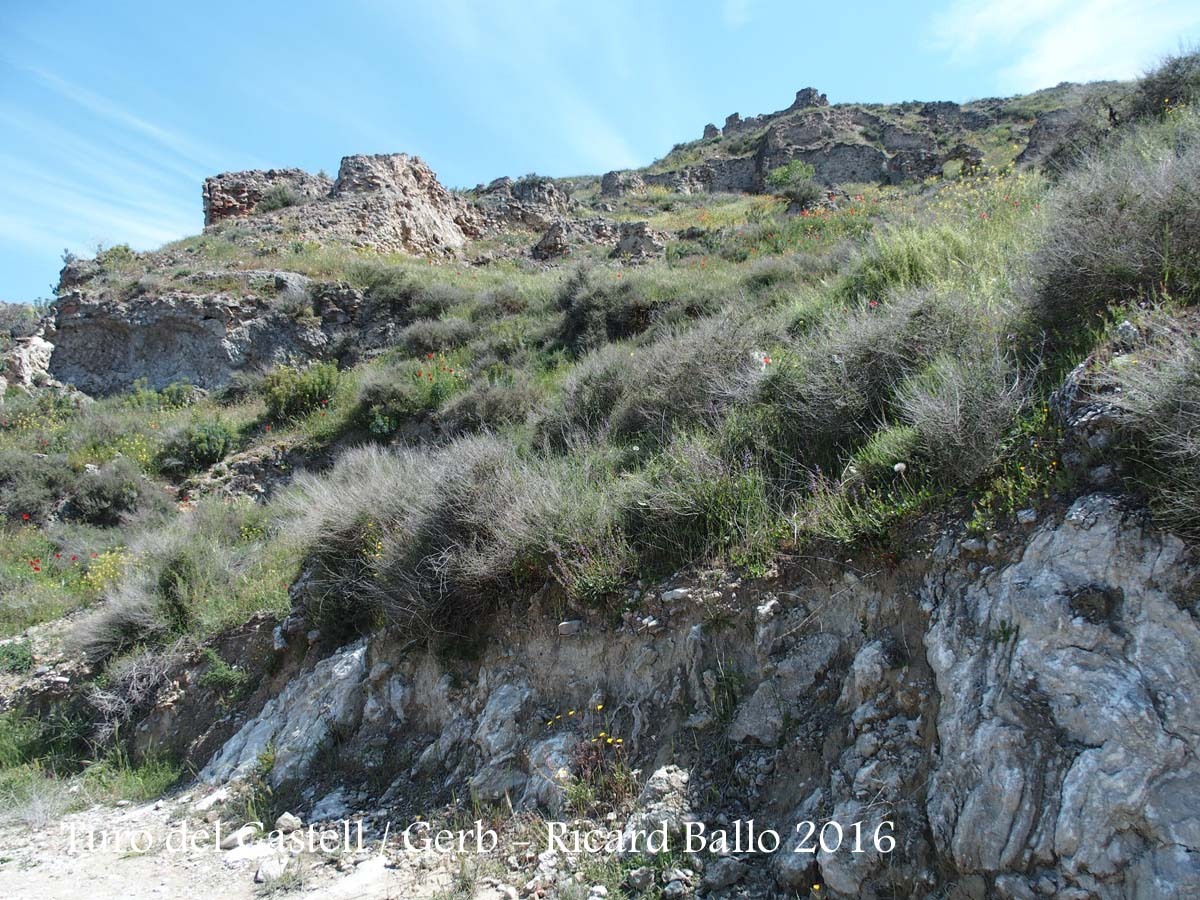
{"x":24,"y":517}
{"x":74,"y":558}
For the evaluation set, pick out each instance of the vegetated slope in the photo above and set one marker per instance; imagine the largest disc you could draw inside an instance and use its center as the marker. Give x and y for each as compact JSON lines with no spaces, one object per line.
{"x":750,"y":378}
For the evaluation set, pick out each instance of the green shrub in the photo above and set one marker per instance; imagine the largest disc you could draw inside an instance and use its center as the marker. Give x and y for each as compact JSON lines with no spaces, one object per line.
{"x":293,"y":393}
{"x":220,"y":676}
{"x":1173,"y":84}
{"x":695,"y":505}
{"x":200,"y":445}
{"x":601,"y":306}
{"x":102,"y":497}
{"x":961,"y":409}
{"x":190,"y":578}
{"x":794,"y":181}
{"x":31,"y":486}
{"x":823,"y":397}
{"x":437,"y":335}
{"x":16,"y":656}
{"x":682,"y":380}
{"x":403,"y":295}
{"x":1122,"y":228}
{"x":594,"y":573}
{"x":118,"y":257}
{"x":389,"y":397}
{"x":493,"y":404}
{"x":277,"y":196}
{"x":875,"y":462}
{"x":1160,"y":409}
{"x":906,"y":257}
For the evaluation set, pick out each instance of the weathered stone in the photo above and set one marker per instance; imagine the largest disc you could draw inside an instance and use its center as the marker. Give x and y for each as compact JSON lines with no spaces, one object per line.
{"x":236,"y":194}
{"x":1066,"y":742}
{"x":663,"y":801}
{"x":297,"y":722}
{"x":638,"y":241}
{"x":27,"y":363}
{"x":761,"y":717}
{"x":617,"y":184}
{"x":287,"y":823}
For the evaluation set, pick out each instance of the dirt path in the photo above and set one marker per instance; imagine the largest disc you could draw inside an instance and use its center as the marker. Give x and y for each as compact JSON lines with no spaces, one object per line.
{"x":56,"y":863}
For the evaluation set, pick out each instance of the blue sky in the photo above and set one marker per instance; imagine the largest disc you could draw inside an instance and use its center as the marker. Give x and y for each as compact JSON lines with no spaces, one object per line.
{"x":113,"y":114}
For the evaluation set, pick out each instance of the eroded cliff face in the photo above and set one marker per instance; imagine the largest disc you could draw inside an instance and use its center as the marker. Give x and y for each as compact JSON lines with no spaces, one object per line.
{"x":1023,"y":712}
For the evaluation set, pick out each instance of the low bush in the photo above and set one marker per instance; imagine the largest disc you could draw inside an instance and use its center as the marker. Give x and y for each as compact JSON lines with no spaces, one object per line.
{"x":1174,"y":83}
{"x":794,"y":182}
{"x":277,"y":196}
{"x":292,"y":392}
{"x":684,"y":379}
{"x":697,"y":505}
{"x":16,"y":656}
{"x":402,"y":294}
{"x":104,"y":496}
{"x":389,"y":396}
{"x":205,"y":569}
{"x":491,"y":404}
{"x":430,"y":542}
{"x":961,"y":408}
{"x":1160,"y":403}
{"x":905,"y":257}
{"x":1122,"y":228}
{"x":437,"y":335}
{"x":600,"y":307}
{"x":825,"y":394}
{"x":197,"y":446}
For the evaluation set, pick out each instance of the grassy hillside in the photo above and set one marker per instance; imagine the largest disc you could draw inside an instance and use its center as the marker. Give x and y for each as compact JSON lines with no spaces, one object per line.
{"x":778,"y":384}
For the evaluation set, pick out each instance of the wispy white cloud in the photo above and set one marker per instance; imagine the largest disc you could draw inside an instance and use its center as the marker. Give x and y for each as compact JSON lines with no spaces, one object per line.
{"x":190,"y":155}
{"x":109,"y":176}
{"x":1049,"y":41}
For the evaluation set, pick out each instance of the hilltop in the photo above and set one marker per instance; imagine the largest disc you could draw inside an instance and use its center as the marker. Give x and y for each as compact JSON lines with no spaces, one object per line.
{"x":838,"y":466}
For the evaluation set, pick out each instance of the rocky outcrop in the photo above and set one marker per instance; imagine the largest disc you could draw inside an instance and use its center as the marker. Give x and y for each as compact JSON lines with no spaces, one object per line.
{"x":1019,"y":716}
{"x":235,"y":194}
{"x":530,"y":202}
{"x":388,"y":202}
{"x":103,"y":345}
{"x":1068,"y":722}
{"x":27,"y":363}
{"x":638,"y":242}
{"x":565,"y":235}
{"x":618,"y":184}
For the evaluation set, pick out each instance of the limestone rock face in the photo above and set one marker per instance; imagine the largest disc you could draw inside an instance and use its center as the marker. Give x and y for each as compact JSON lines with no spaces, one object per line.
{"x":389,"y":202}
{"x":1021,"y":729}
{"x":638,"y":241}
{"x":236,"y":194}
{"x":102,"y":346}
{"x":617,"y":184}
{"x":298,"y":722}
{"x":564,"y":234}
{"x":27,"y":363}
{"x":530,"y":202}
{"x":1069,"y":719}
{"x":663,"y":801}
